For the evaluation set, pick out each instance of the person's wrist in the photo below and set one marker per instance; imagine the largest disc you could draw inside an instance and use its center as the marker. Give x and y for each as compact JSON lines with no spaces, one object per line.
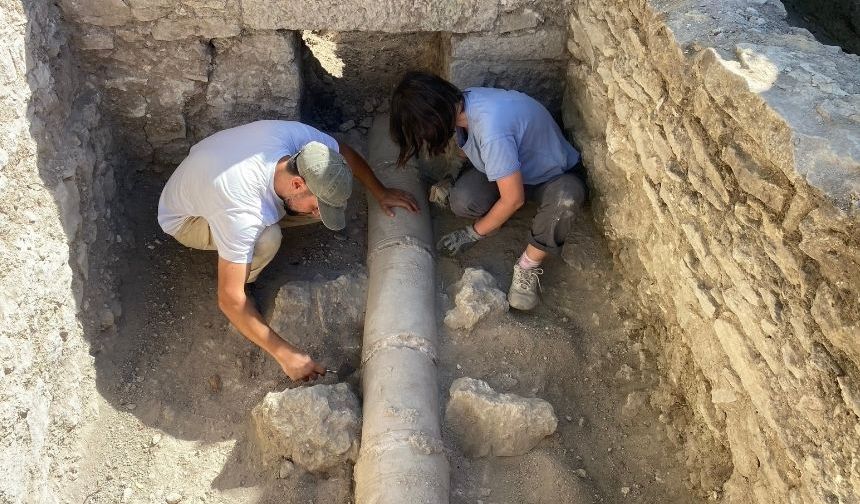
{"x":379,"y":192}
{"x":287,"y":354}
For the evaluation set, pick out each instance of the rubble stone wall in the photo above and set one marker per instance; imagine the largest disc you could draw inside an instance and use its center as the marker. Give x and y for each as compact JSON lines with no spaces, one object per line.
{"x":56,"y":187}
{"x":723,"y":147}
{"x":175,"y":72}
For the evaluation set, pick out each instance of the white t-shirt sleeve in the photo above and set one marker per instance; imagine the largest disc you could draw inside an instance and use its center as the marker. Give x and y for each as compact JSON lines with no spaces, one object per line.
{"x":235,"y":234}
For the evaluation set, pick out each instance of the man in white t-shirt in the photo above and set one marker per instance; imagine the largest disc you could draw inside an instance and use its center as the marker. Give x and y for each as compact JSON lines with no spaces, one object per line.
{"x":234,"y":189}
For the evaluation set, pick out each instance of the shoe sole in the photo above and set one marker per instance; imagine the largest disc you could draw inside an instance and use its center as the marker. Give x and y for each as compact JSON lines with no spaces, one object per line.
{"x":521,"y":304}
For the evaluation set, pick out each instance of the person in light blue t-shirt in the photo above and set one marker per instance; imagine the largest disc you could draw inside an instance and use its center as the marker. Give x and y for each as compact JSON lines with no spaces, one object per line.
{"x":517,"y":152}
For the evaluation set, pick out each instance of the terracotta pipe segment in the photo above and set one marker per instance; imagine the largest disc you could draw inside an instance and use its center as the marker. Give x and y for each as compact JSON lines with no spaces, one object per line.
{"x":402,"y":458}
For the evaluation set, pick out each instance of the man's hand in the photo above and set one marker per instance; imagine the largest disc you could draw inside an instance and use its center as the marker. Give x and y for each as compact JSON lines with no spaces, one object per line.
{"x":244,"y":315}
{"x":458,"y":241}
{"x":388,"y":198}
{"x":299,"y":366}
{"x":391,"y":198}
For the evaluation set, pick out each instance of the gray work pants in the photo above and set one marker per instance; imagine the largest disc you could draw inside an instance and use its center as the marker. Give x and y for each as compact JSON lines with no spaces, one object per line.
{"x":472,"y":196}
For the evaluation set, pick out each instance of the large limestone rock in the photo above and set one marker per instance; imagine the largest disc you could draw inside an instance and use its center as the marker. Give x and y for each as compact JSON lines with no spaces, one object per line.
{"x":316,"y":427}
{"x":477,"y":296}
{"x":486,"y":422}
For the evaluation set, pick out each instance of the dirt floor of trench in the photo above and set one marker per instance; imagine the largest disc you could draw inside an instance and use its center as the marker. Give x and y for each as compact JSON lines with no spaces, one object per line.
{"x":177,"y":384}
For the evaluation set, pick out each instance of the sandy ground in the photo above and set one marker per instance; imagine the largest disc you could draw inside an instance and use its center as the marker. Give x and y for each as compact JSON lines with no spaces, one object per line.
{"x":580,"y":351}
{"x":177,"y":384}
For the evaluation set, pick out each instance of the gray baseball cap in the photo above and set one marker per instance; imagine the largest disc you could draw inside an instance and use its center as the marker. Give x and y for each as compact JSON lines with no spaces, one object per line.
{"x":329,"y":179}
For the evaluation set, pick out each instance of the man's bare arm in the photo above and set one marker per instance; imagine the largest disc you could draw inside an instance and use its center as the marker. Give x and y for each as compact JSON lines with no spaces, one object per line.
{"x":242,"y":313}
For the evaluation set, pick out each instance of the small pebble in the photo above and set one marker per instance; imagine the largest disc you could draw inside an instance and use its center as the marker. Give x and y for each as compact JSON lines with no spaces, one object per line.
{"x":568,"y":418}
{"x":156,"y":438}
{"x":459,"y":366}
{"x":173,"y":498}
{"x":126,"y":494}
{"x":130,"y":406}
{"x":286,"y":469}
{"x":581,"y":421}
{"x":581,"y":473}
{"x":625,"y":491}
{"x":214,"y":383}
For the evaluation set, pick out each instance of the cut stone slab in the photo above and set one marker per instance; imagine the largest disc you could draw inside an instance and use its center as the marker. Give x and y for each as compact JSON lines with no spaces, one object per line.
{"x":476,"y":296}
{"x":316,"y":427}
{"x":486,"y":422}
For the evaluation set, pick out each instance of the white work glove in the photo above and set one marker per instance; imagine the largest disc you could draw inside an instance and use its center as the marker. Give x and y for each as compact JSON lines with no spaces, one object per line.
{"x":458,"y":241}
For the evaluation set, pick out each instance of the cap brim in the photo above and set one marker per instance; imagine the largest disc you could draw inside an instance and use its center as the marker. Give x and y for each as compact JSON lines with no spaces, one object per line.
{"x":333,"y":217}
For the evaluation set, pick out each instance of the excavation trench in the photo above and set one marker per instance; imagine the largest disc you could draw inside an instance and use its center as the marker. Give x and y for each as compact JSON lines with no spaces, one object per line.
{"x":697,"y":336}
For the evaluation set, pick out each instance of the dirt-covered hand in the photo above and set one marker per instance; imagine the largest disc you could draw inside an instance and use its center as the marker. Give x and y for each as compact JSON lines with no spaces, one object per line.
{"x":392,"y":198}
{"x":458,"y":241}
{"x":300,"y":367}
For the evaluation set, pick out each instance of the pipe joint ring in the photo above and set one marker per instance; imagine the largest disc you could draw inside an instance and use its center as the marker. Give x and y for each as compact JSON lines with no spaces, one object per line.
{"x":405,"y":341}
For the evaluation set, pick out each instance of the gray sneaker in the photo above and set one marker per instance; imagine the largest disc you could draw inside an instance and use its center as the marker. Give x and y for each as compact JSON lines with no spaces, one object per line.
{"x":523,"y":294}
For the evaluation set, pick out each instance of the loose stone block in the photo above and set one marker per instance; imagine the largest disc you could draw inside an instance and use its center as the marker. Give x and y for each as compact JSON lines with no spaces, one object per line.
{"x":316,"y":427}
{"x":476,"y":296}
{"x":489,"y":423}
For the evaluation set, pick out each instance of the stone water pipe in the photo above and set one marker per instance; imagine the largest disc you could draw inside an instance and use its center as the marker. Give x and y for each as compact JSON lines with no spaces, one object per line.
{"x":402,"y":459}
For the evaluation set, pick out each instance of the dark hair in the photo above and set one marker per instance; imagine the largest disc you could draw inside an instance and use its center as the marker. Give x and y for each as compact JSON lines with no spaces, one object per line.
{"x":423,"y":112}
{"x":290,"y":165}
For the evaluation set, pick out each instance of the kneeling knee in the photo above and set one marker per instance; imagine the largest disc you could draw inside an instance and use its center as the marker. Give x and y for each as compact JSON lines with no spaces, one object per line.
{"x":459,"y":203}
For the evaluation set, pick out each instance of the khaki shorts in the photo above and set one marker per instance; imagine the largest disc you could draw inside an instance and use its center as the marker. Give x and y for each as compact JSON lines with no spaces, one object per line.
{"x":195,"y":233}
